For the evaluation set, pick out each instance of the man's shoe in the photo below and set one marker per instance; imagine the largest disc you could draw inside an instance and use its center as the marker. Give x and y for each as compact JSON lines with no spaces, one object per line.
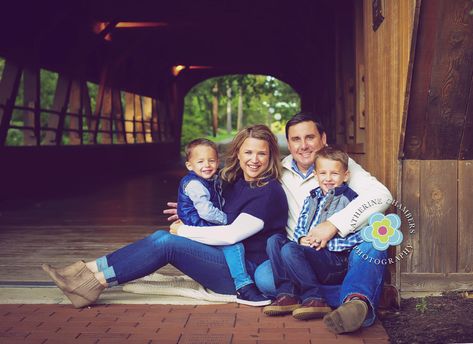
{"x":250,"y":295}
{"x":311,"y":309}
{"x":284,"y":304}
{"x":348,"y":317}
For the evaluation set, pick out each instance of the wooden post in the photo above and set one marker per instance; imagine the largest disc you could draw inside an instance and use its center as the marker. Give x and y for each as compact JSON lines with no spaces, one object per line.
{"x":8,"y":91}
{"x":31,"y":99}
{"x":87,"y":108}
{"x":140,"y":137}
{"x":75,"y":136}
{"x":53,"y":135}
{"x":129,"y":117}
{"x":147,"y":113}
{"x":155,"y":127}
{"x":106,"y":119}
{"x":118,"y":116}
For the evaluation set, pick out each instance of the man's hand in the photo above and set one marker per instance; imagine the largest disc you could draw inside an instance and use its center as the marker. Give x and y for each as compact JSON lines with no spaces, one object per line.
{"x":175,"y":226}
{"x":304,"y":241}
{"x":321,"y":234}
{"x":171,"y":211}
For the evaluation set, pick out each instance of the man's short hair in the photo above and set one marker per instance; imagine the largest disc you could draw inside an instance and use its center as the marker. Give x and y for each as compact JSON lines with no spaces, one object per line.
{"x":333,"y":153}
{"x":199,"y":142}
{"x":304,"y":117}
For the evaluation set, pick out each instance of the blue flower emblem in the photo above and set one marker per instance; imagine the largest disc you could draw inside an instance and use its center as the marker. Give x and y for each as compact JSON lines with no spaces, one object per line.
{"x":383,"y":231}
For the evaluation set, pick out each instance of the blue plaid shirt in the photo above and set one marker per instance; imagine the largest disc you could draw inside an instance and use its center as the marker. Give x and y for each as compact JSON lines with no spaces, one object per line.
{"x":337,"y":243}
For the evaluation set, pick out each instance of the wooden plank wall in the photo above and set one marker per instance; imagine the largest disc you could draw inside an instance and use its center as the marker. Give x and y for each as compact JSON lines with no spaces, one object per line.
{"x":384,"y":62}
{"x":439,"y":194}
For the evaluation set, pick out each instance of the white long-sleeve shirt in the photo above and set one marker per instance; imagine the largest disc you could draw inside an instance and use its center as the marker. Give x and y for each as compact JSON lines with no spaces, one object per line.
{"x":244,"y":226}
{"x":372,"y":197}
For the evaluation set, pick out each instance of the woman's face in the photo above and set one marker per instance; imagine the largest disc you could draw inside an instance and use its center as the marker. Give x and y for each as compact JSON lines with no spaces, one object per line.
{"x":254,"y":158}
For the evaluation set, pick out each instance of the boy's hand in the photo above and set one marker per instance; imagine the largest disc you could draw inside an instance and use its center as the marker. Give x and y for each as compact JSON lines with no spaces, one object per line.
{"x":172,"y":211}
{"x":175,"y":226}
{"x":304,"y":241}
{"x":321,"y":234}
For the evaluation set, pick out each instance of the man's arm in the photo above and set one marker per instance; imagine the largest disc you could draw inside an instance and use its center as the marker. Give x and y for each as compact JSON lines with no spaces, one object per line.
{"x":172,"y":210}
{"x":372,"y":197}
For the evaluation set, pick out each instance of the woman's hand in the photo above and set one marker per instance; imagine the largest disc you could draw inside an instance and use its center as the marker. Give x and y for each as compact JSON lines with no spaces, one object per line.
{"x":175,"y":226}
{"x":171,"y":211}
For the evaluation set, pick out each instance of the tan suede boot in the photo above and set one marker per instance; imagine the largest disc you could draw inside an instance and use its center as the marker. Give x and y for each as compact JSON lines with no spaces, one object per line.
{"x":348,"y":317}
{"x":71,"y":270}
{"x":82,"y":289}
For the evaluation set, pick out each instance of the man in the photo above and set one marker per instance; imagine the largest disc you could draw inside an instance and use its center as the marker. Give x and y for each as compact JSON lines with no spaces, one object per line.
{"x":357,"y":297}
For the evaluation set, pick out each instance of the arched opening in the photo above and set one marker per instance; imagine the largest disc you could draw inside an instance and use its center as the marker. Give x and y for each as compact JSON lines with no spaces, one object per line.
{"x":218,"y":107}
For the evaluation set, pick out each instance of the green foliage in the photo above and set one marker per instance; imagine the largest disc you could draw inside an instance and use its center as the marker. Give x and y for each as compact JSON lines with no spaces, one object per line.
{"x":265,"y":100}
{"x":422,"y":306}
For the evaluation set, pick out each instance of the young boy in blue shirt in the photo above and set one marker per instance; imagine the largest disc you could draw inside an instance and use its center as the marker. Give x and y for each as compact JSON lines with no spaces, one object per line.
{"x":200,"y":203}
{"x":299,"y":266}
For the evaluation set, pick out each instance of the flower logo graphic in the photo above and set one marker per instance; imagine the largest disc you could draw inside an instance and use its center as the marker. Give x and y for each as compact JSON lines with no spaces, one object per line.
{"x":383,"y":231}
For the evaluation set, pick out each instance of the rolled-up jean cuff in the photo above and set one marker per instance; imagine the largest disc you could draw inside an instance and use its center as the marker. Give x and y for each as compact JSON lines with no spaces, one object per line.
{"x":371,"y":316}
{"x":110,"y":276}
{"x":102,"y":263}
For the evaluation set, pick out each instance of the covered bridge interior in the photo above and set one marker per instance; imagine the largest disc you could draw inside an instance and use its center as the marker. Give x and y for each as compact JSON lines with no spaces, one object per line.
{"x":392,"y":81}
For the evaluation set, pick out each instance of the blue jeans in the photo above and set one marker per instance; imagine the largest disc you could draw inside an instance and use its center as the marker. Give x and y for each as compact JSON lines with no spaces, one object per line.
{"x":364,"y":277}
{"x":320,"y":267}
{"x":203,"y":263}
{"x":235,"y":257}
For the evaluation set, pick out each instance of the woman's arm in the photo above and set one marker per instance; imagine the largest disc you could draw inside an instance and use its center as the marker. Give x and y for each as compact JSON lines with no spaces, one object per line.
{"x":244,"y":226}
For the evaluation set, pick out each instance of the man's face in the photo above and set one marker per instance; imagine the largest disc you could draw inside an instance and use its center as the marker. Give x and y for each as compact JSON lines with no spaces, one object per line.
{"x":304,"y":141}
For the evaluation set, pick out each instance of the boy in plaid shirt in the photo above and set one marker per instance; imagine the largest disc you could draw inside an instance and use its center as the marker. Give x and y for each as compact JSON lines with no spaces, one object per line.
{"x":300,"y":266}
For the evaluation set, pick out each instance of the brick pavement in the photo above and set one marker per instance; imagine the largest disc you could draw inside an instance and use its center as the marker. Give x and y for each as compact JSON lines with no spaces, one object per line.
{"x":212,"y":324}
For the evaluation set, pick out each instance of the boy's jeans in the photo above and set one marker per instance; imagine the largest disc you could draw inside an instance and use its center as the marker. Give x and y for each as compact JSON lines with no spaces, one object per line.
{"x":235,"y":257}
{"x":364,"y":277}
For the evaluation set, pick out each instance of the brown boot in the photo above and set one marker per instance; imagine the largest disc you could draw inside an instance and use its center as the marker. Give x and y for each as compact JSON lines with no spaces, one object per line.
{"x":348,"y":317}
{"x":82,"y":288}
{"x":68,"y":271}
{"x":311,"y":309}
{"x":284,"y":304}
{"x":71,"y":270}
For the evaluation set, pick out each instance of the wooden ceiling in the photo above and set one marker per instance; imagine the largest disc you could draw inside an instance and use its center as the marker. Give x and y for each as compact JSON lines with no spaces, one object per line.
{"x":280,"y":38}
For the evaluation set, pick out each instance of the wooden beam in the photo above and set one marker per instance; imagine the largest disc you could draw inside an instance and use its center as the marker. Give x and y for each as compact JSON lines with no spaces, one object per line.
{"x":56,"y":120}
{"x":411,"y":200}
{"x":138,"y":120}
{"x":9,"y":85}
{"x":75,"y":122}
{"x":155,"y":127}
{"x":466,"y":145}
{"x":31,"y":99}
{"x":106,"y":120}
{"x":118,"y":116}
{"x":147,"y":114}
{"x":465,"y":216}
{"x":421,"y":75}
{"x":436,"y":281}
{"x":452,"y":71}
{"x":87,"y":110}
{"x":438,"y":216}
{"x":130,"y":117}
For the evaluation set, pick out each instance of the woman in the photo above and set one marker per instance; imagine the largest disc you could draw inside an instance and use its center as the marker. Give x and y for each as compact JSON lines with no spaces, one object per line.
{"x":256,"y":208}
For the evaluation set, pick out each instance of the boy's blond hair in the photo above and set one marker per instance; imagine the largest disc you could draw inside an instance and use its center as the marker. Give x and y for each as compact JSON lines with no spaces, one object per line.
{"x":199,"y":142}
{"x":332,"y":153}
